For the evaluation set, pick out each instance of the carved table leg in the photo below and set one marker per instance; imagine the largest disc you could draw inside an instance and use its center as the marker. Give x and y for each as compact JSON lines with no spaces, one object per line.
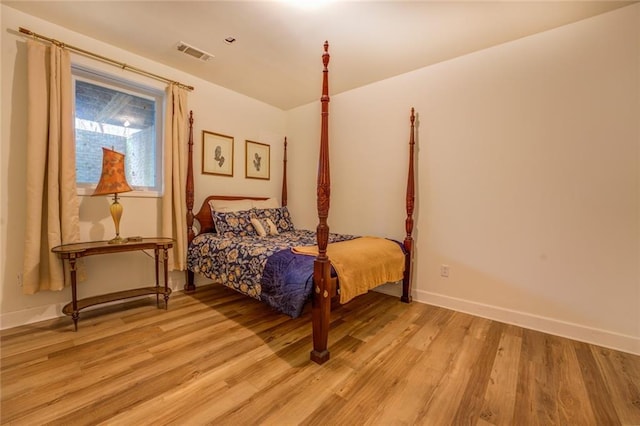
{"x":166,"y":278}
{"x":157,"y":255}
{"x":74,"y":295}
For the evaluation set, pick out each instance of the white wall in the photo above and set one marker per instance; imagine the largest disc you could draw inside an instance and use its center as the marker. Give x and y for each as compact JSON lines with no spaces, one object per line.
{"x":528,"y":177}
{"x":215,"y":109}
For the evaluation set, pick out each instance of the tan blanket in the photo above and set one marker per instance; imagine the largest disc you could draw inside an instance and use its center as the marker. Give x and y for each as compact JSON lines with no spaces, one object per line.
{"x":362,"y":263}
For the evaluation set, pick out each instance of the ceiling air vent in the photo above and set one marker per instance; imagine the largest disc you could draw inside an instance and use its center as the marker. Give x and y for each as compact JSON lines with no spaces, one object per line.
{"x":194,"y":51}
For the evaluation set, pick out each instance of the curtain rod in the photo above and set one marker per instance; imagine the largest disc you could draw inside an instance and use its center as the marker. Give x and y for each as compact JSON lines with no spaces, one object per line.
{"x":103,"y":58}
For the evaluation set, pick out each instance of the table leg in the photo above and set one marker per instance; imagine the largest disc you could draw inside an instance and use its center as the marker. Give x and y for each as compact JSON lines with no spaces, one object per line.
{"x":74,"y":295}
{"x":157,"y":254}
{"x":166,"y":278}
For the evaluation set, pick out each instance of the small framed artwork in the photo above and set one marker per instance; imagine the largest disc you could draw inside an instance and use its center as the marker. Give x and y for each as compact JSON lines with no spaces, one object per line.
{"x":257,"y":160}
{"x":217,"y":154}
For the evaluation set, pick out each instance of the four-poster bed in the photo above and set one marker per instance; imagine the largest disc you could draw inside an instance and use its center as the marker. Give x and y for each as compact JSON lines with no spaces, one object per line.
{"x":269,"y":269}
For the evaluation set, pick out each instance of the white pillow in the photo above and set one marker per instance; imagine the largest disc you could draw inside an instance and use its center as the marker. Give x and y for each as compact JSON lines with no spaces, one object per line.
{"x":226,"y":206}
{"x":271,"y":203}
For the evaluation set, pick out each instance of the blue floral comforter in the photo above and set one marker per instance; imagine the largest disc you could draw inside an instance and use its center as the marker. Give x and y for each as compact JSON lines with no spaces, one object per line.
{"x":261,"y":267}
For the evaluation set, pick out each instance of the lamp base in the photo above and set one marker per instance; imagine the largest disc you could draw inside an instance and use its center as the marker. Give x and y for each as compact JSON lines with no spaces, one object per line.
{"x":118,"y":240}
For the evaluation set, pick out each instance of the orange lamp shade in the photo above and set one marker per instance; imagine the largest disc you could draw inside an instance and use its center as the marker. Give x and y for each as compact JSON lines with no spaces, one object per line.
{"x":113,"y":179}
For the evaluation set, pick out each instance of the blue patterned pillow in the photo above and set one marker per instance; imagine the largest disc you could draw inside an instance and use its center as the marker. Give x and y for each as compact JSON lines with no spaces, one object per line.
{"x":280,"y":216}
{"x":230,"y":224}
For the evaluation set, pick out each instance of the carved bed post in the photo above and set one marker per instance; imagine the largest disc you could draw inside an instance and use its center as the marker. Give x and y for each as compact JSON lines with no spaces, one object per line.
{"x":284,"y":175}
{"x":321,"y":305}
{"x":189,"y":286}
{"x":408,"y":241}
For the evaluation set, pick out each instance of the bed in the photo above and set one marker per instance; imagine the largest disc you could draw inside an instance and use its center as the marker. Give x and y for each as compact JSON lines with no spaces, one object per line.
{"x":250,"y":244}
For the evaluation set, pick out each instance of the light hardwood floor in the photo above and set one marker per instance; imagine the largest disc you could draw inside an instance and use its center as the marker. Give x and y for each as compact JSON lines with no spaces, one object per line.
{"x":216,"y":357}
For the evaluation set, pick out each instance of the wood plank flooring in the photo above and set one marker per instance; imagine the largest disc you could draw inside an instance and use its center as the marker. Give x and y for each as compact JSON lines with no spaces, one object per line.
{"x":217,"y":357}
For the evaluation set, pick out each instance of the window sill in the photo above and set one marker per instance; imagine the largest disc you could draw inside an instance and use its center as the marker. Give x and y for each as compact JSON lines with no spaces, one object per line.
{"x":86,"y":192}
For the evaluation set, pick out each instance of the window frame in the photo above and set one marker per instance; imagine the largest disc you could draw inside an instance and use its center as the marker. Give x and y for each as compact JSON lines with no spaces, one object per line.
{"x":101,"y":78}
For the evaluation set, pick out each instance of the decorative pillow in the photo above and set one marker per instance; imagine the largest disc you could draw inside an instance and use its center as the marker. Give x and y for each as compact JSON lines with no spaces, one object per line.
{"x":230,"y":205}
{"x":273,"y":228}
{"x":264,"y":226}
{"x":233,"y":223}
{"x":280,"y":217}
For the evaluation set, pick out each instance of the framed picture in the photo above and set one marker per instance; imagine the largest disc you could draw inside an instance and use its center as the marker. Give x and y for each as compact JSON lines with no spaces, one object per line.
{"x":217,"y":154}
{"x":257,"y":160}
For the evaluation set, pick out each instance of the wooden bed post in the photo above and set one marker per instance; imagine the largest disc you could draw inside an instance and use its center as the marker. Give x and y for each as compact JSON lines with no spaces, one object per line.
{"x":322,"y":292}
{"x":189,"y":286}
{"x":284,"y":175}
{"x":408,"y":241}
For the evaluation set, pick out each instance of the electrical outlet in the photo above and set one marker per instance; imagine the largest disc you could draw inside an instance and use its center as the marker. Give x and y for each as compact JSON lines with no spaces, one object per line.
{"x":19,"y":279}
{"x":444,"y":271}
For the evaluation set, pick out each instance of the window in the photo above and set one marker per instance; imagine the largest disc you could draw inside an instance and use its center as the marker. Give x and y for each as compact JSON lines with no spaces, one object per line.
{"x":123,"y":116}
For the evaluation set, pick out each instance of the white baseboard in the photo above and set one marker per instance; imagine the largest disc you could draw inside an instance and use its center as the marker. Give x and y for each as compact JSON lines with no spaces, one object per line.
{"x":553,"y":326}
{"x":30,"y":315}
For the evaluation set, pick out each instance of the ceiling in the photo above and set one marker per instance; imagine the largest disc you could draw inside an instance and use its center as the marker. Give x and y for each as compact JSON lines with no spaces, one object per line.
{"x":276,"y":57}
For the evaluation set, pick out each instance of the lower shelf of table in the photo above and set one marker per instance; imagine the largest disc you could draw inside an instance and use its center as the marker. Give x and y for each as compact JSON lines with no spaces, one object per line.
{"x":112,"y":297}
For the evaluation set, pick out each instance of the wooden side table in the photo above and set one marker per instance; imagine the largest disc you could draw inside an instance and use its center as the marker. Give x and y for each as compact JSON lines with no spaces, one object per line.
{"x":73,"y":252}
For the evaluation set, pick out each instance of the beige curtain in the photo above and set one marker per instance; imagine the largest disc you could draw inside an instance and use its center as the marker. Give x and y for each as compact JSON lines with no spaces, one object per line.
{"x":174,"y":222}
{"x":52,"y":203}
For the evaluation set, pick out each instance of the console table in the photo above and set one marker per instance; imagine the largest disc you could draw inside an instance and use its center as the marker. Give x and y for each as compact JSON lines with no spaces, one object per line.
{"x":75,"y":251}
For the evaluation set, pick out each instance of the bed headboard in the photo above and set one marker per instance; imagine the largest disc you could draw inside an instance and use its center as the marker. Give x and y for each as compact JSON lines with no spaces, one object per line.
{"x":204,"y":214}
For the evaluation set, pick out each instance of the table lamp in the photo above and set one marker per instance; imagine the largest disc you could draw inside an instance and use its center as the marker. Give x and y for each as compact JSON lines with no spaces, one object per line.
{"x":113,"y":181}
